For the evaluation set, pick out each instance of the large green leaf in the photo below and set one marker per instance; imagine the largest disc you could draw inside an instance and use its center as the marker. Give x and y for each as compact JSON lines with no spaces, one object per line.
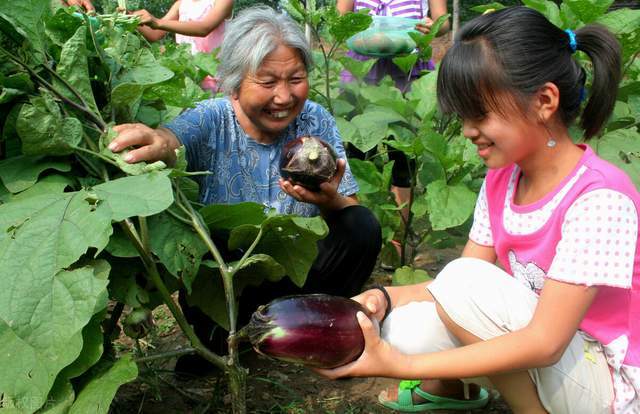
{"x":44,"y":131}
{"x":548,"y":8}
{"x":290,"y":240}
{"x":423,"y":91}
{"x":74,"y":69}
{"x":449,"y":206}
{"x":26,"y":17}
{"x":177,"y":245}
{"x":140,"y":195}
{"x":97,"y":394}
{"x":229,"y":216}
{"x":372,"y":127}
{"x":20,"y":173}
{"x":41,"y":320}
{"x":367,"y":175}
{"x":589,"y":10}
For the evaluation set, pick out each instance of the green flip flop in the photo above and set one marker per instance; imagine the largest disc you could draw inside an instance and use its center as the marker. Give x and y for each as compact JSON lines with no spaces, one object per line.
{"x":405,"y":402}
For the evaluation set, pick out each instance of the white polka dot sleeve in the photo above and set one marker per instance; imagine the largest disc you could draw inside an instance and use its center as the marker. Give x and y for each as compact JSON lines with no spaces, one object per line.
{"x":599,"y":238}
{"x":481,"y":229}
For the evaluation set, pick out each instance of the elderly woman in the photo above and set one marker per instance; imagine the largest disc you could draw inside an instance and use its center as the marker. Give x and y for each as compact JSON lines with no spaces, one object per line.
{"x":264,"y":67}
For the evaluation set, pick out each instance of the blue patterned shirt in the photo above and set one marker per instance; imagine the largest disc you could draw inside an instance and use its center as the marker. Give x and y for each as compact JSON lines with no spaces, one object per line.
{"x":244,"y":169}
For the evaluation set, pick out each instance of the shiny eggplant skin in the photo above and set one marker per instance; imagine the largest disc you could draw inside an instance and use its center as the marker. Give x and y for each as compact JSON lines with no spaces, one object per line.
{"x":308,"y":161}
{"x":315,"y":330}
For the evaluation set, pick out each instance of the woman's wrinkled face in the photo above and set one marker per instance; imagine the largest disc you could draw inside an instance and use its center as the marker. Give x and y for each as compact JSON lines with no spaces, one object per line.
{"x":270,"y":99}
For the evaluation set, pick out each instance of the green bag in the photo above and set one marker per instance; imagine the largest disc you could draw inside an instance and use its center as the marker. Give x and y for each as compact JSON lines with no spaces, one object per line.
{"x":387,"y":36}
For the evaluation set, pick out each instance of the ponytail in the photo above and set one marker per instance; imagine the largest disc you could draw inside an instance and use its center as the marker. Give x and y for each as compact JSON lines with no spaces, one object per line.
{"x":604,"y":51}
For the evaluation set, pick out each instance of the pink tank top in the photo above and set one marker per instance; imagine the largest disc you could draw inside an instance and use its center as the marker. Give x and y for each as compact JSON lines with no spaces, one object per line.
{"x":614,"y":317}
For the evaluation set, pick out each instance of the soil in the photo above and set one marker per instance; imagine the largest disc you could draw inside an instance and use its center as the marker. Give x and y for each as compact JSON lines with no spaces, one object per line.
{"x":272,"y":386}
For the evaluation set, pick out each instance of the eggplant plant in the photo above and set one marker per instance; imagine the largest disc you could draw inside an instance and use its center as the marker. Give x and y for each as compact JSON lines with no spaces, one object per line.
{"x":80,"y":226}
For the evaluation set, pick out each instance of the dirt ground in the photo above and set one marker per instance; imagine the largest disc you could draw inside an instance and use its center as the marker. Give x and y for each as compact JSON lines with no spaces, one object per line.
{"x":273,"y":386}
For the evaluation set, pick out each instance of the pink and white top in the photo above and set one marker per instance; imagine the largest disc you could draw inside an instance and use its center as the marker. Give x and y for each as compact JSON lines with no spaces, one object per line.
{"x":195,"y":10}
{"x":584,"y":232}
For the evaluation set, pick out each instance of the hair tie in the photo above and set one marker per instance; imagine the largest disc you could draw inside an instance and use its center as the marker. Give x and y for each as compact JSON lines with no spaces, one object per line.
{"x":573,"y":42}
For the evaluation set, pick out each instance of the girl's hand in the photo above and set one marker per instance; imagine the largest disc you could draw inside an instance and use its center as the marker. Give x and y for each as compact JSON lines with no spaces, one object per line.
{"x":376,"y":359}
{"x":327,"y":199}
{"x":146,"y":144}
{"x":424,"y":26}
{"x":373,"y":300}
{"x":146,"y":18}
{"x":85,"y":4}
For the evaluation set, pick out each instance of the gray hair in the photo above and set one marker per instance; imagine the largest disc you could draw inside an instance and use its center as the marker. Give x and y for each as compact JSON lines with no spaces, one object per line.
{"x":250,"y":37}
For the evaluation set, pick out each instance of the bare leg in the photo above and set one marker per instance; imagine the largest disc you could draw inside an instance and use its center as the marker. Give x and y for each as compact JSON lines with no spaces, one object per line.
{"x":402,"y":196}
{"x":516,"y":388}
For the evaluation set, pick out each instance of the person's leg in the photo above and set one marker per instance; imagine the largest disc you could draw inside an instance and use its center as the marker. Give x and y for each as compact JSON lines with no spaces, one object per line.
{"x":401,"y":174}
{"x":479,"y":301}
{"x":347,"y":256}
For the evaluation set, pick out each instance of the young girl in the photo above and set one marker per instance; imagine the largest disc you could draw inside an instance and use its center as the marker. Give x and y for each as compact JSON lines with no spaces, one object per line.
{"x":199,"y":23}
{"x":558,"y":330}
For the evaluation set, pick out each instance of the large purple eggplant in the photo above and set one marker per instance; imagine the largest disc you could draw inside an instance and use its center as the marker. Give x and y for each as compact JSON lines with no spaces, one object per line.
{"x":315,"y":330}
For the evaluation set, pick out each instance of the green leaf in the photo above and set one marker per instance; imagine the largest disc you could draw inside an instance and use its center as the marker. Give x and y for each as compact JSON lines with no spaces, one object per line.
{"x":423,"y":90}
{"x":74,"y":69}
{"x":42,"y":315}
{"x":358,"y":68}
{"x":589,"y":10}
{"x":26,"y":17}
{"x":372,"y":127}
{"x":367,"y":175}
{"x":97,"y":394}
{"x":140,"y":195}
{"x":92,"y":348}
{"x":409,"y":276}
{"x":20,"y":173}
{"x":622,"y":148}
{"x":230,"y":216}
{"x":548,"y":8}
{"x":449,"y":206}
{"x":61,"y":26}
{"x":406,"y":63}
{"x":206,"y":62}
{"x":257,"y":268}
{"x":44,"y":131}
{"x":177,"y":245}
{"x":290,"y":240}
{"x":349,"y":24}
{"x":125,"y":100}
{"x":490,"y":6}
{"x":146,"y":72}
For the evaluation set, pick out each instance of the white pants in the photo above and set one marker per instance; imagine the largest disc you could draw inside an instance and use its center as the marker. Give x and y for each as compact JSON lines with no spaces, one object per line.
{"x":487,"y":302}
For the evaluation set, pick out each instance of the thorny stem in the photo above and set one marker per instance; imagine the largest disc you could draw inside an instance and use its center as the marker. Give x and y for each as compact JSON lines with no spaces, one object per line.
{"x":153,"y":273}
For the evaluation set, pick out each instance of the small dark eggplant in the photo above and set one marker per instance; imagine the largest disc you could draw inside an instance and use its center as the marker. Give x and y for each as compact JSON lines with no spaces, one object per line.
{"x":308,"y":161}
{"x":315,"y":330}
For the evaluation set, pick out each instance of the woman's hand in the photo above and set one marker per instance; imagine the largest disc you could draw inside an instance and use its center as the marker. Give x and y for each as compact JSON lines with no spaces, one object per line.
{"x":146,"y":144}
{"x":378,"y":358}
{"x":424,"y":26}
{"x":146,"y":18}
{"x":85,"y":4}
{"x":374,"y":302}
{"x":327,"y":199}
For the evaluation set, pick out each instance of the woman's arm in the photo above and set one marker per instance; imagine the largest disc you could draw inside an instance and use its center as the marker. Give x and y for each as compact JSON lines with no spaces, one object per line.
{"x":437,"y":8}
{"x":344,"y":6}
{"x":152,"y":34}
{"x":198,"y":28}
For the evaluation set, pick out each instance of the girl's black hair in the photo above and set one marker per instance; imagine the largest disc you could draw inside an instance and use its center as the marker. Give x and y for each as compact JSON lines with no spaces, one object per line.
{"x":515,"y":51}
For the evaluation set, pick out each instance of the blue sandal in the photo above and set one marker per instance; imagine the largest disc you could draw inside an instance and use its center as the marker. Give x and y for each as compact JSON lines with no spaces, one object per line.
{"x":405,"y":402}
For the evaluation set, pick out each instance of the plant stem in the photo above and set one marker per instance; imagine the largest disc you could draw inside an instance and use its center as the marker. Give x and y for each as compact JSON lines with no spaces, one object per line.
{"x":98,"y":155}
{"x":153,"y":273}
{"x":167,"y":355}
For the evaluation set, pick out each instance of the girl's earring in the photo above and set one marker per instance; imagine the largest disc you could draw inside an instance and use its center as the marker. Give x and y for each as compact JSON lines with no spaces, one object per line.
{"x":551,"y":142}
